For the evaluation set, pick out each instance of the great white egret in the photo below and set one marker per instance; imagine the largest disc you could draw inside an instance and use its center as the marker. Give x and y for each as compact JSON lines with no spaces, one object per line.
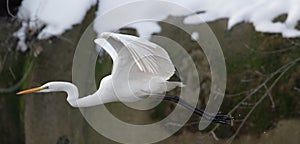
{"x":140,"y":69}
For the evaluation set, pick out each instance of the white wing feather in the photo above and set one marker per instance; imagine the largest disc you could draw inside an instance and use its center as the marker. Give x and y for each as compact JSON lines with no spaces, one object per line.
{"x":107,"y":47}
{"x":148,"y":56}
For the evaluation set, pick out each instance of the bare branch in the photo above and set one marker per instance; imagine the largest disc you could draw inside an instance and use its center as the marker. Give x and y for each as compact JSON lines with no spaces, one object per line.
{"x":297,"y":89}
{"x":270,"y":96}
{"x":267,"y":80}
{"x":214,"y":135}
{"x":12,"y":73}
{"x":282,"y":70}
{"x":239,"y":94}
{"x":8,"y":9}
{"x":271,"y":52}
{"x":261,"y":99}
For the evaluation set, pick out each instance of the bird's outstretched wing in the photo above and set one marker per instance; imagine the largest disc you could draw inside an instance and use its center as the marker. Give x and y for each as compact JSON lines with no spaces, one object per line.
{"x":149,"y":57}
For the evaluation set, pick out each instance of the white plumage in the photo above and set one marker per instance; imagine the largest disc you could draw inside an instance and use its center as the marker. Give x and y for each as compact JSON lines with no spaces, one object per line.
{"x":141,"y":68}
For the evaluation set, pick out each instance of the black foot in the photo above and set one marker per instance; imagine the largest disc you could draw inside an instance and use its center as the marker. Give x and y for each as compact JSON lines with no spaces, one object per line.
{"x":219,"y":118}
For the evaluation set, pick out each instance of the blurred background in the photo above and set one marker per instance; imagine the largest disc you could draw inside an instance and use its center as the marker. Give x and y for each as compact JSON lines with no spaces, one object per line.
{"x":263,"y":86}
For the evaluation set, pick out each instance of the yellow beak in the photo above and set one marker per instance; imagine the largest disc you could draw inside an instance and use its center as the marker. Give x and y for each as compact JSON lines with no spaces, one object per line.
{"x":30,"y":90}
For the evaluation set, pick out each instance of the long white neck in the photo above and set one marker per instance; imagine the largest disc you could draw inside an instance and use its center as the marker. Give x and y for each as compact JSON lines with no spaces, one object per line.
{"x":94,"y":99}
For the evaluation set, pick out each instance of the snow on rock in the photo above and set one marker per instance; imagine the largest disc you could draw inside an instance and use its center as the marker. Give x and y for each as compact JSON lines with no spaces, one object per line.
{"x":259,"y":12}
{"x":154,"y":9}
{"x":59,"y":15}
{"x":140,"y":10}
{"x":56,"y":15}
{"x":195,"y":36}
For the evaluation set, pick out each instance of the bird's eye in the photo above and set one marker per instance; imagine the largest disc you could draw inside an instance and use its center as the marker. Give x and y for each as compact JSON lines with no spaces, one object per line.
{"x":46,"y":87}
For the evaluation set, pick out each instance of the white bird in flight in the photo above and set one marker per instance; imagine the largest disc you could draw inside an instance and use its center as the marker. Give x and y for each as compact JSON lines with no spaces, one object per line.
{"x":140,"y":69}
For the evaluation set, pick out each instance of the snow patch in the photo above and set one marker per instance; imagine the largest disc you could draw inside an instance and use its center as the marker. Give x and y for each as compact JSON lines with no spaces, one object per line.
{"x":56,"y":15}
{"x":195,"y":36}
{"x":60,"y":15}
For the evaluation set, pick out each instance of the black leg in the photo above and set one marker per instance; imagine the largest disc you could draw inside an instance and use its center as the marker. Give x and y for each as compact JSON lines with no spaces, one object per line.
{"x":218,"y":118}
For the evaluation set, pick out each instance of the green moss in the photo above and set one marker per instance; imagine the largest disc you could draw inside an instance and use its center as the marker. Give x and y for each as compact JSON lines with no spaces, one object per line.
{"x":13,"y":71}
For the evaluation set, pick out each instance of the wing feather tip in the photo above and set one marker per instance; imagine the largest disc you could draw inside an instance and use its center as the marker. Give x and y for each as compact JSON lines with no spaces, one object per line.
{"x":98,"y":41}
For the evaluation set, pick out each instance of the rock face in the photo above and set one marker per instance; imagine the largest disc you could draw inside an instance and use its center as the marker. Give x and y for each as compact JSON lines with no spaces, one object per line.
{"x":49,"y":119}
{"x":10,"y":130}
{"x":10,"y":72}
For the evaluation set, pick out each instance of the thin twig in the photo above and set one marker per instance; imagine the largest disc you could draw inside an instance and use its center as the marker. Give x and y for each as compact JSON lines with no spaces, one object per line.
{"x":201,"y":139}
{"x":66,"y":40}
{"x":261,"y":85}
{"x":270,"y":96}
{"x":246,"y":118}
{"x":12,"y":73}
{"x":238,"y":94}
{"x":269,"y":52}
{"x":249,"y":48}
{"x":279,"y":51}
{"x":247,"y":80}
{"x":3,"y":63}
{"x":293,"y":42}
{"x":248,"y":104}
{"x":214,"y":135}
{"x":282,"y":69}
{"x":8,"y":10}
{"x":297,"y":89}
{"x":258,"y":102}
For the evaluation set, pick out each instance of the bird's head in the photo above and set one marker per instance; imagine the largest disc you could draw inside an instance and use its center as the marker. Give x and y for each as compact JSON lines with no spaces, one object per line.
{"x":48,"y":87}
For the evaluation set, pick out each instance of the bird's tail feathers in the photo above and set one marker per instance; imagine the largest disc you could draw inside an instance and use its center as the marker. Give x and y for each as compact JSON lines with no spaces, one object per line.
{"x":172,"y":85}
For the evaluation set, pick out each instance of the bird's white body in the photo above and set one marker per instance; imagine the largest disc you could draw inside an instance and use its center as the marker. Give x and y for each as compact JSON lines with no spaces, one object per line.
{"x":141,"y":69}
